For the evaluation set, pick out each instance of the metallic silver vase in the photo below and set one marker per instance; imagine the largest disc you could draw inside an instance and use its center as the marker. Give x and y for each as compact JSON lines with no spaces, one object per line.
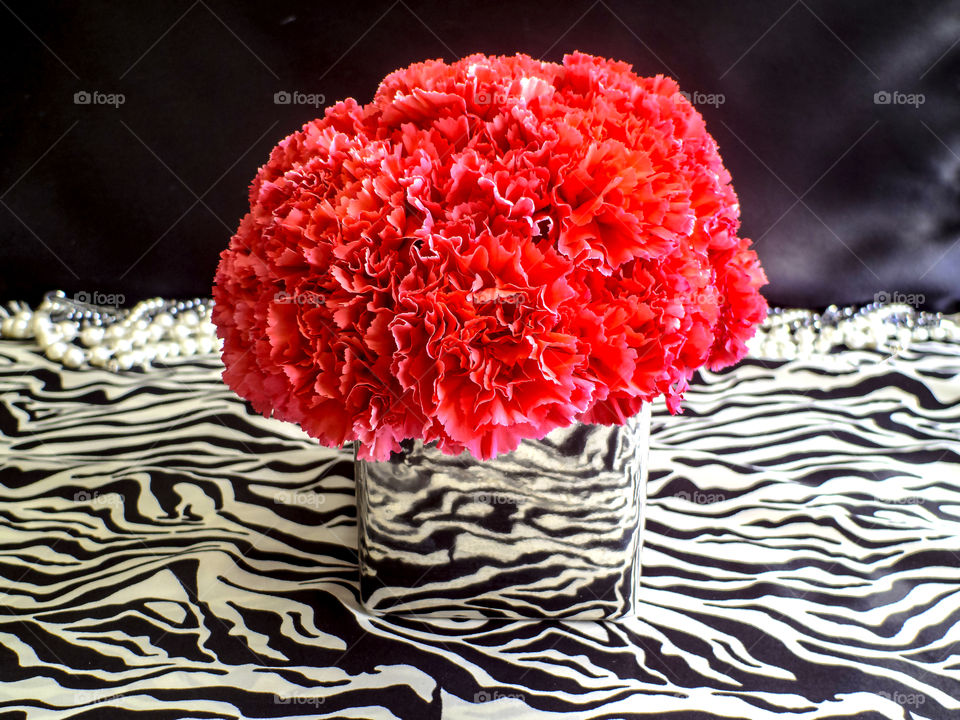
{"x":551,"y":530}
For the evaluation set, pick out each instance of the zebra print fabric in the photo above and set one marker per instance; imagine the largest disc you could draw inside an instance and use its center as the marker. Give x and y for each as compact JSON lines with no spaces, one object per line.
{"x":162,"y":549}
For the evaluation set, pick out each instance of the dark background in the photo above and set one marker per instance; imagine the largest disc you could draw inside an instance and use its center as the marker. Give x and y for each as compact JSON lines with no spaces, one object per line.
{"x":846,"y":198}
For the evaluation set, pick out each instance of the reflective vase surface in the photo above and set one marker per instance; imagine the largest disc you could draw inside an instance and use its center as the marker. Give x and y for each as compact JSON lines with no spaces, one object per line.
{"x":551,"y":530}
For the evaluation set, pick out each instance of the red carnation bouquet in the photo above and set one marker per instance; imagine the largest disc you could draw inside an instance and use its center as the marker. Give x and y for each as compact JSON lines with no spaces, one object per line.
{"x":489,"y":250}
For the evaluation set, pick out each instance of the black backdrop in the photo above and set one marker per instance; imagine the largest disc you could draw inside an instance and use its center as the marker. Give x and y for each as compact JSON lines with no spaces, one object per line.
{"x":838,"y":120}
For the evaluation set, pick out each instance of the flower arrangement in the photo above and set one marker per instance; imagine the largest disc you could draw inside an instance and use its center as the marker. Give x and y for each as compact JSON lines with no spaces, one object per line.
{"x":489,"y":250}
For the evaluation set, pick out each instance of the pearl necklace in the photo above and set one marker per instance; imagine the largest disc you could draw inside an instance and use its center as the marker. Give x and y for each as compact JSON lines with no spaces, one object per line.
{"x":888,"y":328}
{"x":75,"y":333}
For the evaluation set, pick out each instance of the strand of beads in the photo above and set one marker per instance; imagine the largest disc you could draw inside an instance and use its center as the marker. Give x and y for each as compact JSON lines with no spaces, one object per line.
{"x":888,"y":328}
{"x":76,"y":333}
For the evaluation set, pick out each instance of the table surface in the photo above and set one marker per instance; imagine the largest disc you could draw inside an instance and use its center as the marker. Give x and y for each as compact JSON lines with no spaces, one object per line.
{"x":162,"y":548}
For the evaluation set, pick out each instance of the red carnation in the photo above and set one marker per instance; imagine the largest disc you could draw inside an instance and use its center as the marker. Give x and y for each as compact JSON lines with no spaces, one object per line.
{"x":487,"y":251}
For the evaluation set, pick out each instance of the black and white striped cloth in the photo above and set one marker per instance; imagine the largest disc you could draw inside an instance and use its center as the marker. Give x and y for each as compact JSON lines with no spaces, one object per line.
{"x":162,"y":549}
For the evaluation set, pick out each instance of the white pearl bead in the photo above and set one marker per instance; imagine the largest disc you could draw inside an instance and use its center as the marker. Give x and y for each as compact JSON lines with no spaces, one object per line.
{"x":205,"y":344}
{"x":20,"y":328}
{"x":140,"y":338}
{"x":6,"y":327}
{"x":188,"y":346}
{"x":73,"y":357}
{"x":190,"y":318}
{"x":124,"y":361}
{"x":68,"y":330}
{"x":879,"y":330}
{"x":173,"y":349}
{"x":56,"y":351}
{"x":920,"y":334}
{"x":40,"y":322}
{"x":99,"y":355}
{"x":113,"y":332}
{"x":855,"y":340}
{"x":120,"y":346}
{"x":180,"y":331}
{"x":164,"y":319}
{"x":91,"y":336}
{"x":48,"y":335}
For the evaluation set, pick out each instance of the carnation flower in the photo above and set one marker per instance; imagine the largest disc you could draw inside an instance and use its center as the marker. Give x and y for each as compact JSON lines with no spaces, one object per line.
{"x":489,"y":250}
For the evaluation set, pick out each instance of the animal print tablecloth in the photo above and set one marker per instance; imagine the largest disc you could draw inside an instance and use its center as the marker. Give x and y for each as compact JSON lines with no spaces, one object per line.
{"x":162,"y":549}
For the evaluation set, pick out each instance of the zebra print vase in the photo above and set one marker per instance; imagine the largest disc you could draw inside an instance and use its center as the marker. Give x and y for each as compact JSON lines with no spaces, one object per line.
{"x":551,"y":530}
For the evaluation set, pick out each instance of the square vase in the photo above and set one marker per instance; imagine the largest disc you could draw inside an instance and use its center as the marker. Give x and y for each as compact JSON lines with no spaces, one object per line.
{"x":550,"y":530}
